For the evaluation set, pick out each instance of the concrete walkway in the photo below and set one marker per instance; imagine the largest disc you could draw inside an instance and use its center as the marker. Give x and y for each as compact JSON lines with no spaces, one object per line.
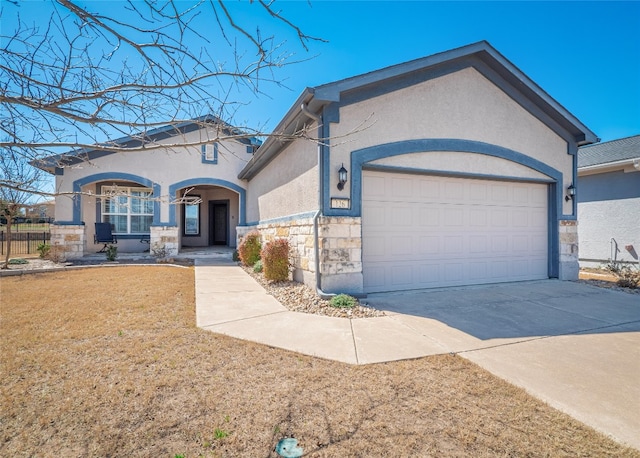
{"x":572,"y":345}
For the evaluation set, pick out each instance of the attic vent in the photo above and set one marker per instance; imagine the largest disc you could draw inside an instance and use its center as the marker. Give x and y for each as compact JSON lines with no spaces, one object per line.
{"x":210,"y":153}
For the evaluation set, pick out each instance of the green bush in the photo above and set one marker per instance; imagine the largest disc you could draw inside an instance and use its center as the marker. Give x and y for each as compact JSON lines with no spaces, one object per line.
{"x":257,"y":267}
{"x":44,"y":249}
{"x":112,"y":253}
{"x":275,"y":260}
{"x":249,"y":249}
{"x":343,"y":301}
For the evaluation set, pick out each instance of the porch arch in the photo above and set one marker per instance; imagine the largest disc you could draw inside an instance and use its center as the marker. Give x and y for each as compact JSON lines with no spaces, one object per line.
{"x":242,"y":193}
{"x":117,"y":176}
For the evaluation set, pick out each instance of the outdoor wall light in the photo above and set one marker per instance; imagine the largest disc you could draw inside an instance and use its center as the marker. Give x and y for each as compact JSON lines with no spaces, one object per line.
{"x":342,"y":177}
{"x":571,"y":192}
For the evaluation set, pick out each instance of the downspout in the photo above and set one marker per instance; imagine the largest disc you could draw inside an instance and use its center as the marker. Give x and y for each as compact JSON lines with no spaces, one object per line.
{"x":318,"y":119}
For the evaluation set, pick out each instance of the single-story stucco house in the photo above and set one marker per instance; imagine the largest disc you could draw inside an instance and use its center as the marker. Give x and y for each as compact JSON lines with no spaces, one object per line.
{"x":459,"y":170}
{"x":609,"y":202}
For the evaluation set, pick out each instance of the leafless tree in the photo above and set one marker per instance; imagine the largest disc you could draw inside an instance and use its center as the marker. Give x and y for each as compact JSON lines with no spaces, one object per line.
{"x":108,"y":70}
{"x":18,"y":177}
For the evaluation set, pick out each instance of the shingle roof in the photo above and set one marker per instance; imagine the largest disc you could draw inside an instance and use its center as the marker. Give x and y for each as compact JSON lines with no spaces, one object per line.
{"x":613,"y":151}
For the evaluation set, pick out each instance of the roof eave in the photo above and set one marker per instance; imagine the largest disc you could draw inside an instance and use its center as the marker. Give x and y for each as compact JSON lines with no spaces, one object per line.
{"x":287,"y":126}
{"x":610,"y":166}
{"x":332,"y":92}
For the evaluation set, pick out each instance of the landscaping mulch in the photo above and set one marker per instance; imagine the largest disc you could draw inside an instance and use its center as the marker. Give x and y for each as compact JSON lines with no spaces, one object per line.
{"x":108,"y":362}
{"x":299,"y":297}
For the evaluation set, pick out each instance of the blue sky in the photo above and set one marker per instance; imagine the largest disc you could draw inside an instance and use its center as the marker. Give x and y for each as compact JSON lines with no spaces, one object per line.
{"x":586,"y":55}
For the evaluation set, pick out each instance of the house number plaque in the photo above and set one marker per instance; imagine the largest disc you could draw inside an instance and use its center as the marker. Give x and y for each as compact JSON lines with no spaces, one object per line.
{"x":337,"y":202}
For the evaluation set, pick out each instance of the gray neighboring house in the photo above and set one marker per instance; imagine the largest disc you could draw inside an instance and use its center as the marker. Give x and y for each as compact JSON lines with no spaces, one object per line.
{"x":609,"y":202}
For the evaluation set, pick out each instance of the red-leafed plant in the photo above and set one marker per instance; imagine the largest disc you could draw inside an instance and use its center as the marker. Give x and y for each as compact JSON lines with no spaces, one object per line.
{"x":275,"y":260}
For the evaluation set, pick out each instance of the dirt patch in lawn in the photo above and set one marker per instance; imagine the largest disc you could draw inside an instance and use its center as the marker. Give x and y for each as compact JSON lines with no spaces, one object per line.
{"x":109,"y":362}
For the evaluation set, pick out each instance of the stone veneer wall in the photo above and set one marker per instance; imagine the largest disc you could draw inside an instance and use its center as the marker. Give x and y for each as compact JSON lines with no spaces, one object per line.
{"x":340,"y":241}
{"x":164,"y":238}
{"x":569,"y":268}
{"x":70,"y":239}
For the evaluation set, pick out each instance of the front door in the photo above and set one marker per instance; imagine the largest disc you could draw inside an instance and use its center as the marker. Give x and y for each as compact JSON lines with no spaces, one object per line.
{"x":218,"y":222}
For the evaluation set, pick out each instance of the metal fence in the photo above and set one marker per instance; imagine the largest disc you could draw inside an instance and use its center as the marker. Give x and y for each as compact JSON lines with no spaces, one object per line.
{"x":24,"y":242}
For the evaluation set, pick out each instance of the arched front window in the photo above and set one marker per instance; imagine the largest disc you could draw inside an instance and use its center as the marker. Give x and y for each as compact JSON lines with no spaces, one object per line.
{"x":128,"y":209}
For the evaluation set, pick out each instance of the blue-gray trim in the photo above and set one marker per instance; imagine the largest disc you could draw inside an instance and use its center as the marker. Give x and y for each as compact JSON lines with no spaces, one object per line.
{"x":173,"y":189}
{"x":448,"y":173}
{"x":68,"y":223}
{"x":553,"y":242}
{"x":114,"y":176}
{"x":361,"y":158}
{"x":50,"y":163}
{"x":481,"y":56}
{"x":283,"y":219}
{"x":573,"y":151}
{"x":203,"y":152}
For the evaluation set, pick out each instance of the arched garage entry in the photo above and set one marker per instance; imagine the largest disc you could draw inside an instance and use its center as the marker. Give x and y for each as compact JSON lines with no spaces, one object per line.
{"x":435,"y":228}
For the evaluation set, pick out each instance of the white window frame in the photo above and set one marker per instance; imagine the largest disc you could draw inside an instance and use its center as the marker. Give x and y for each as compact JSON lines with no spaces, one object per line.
{"x":209,"y":153}
{"x":125,"y":205}
{"x":191,"y":202}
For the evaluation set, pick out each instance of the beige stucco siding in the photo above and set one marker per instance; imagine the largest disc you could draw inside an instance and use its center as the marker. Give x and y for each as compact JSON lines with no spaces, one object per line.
{"x":288,"y":185}
{"x":460,"y":162}
{"x":460,"y":105}
{"x":164,"y":167}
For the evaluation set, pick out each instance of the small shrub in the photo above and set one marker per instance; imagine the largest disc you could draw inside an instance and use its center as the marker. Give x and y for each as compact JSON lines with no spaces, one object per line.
{"x":275,"y":260}
{"x":627,"y":276}
{"x":17,"y":261}
{"x":56,"y":254}
{"x":235,"y":256}
{"x":343,"y":301}
{"x":257,"y":267}
{"x":112,"y":252}
{"x":249,"y":249}
{"x":44,"y":249}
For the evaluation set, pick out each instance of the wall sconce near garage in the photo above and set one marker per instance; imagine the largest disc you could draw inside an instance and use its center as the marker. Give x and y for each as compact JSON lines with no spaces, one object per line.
{"x":571,"y":193}
{"x":342,"y":177}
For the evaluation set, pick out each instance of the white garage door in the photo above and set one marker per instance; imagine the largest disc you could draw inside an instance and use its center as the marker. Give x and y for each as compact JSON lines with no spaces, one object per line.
{"x":421,"y":231}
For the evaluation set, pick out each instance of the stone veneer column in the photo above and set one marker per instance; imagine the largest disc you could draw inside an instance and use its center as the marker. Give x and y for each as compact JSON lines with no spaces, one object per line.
{"x":340,"y":241}
{"x":164,"y":240}
{"x":341,"y":254}
{"x":569,"y":268}
{"x":299,"y":232}
{"x":70,"y":239}
{"x":241,"y":232}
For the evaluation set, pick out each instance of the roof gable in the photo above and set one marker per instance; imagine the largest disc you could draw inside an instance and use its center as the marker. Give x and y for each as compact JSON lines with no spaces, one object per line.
{"x":481,"y":56}
{"x":51,"y":163}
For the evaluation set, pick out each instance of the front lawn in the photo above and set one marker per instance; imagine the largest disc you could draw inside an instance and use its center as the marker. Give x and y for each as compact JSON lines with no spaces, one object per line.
{"x":109,"y":362}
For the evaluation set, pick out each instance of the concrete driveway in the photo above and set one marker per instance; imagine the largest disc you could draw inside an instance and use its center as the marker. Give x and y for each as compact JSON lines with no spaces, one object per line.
{"x":572,"y":345}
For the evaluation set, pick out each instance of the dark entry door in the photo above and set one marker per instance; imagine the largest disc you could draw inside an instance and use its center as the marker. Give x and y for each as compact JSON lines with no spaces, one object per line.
{"x":218,"y":222}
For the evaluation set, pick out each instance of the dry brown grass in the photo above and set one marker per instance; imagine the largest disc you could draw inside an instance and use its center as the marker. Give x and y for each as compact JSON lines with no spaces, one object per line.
{"x":108,"y":362}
